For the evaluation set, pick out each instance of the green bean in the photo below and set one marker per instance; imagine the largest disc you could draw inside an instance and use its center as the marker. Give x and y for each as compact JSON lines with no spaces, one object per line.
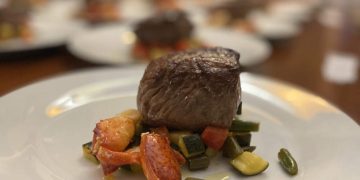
{"x":238,"y":125}
{"x":287,"y":161}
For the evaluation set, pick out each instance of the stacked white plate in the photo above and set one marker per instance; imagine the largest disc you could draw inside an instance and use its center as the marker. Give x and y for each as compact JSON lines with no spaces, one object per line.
{"x":112,"y":44}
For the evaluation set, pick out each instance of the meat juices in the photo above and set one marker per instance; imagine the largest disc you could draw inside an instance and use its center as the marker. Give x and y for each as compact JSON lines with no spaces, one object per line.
{"x":191,"y":89}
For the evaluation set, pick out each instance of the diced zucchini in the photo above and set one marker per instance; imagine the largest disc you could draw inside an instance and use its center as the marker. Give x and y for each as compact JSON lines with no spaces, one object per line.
{"x":126,"y":167}
{"x":193,"y":178}
{"x":243,"y":139}
{"x":249,"y":148}
{"x":231,"y":148}
{"x":174,"y":136}
{"x":175,"y":147}
{"x":87,"y":153}
{"x":198,"y":162}
{"x":191,"y":145}
{"x":249,"y":164}
{"x":239,"y":110}
{"x":210,"y":152}
{"x":109,"y":177}
{"x":135,"y":141}
{"x":135,"y":168}
{"x":244,"y":126}
{"x":139,"y":128}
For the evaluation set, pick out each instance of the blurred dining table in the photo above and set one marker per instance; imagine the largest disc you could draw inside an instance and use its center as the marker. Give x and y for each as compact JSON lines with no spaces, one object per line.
{"x":297,"y":61}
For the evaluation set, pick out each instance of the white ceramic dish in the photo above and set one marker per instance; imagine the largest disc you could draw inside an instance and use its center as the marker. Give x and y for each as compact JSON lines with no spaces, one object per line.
{"x":112,"y":44}
{"x":252,"y":50}
{"x":43,"y":126}
{"x":292,"y":11}
{"x":46,"y":34}
{"x":271,"y":27}
{"x":66,"y":10}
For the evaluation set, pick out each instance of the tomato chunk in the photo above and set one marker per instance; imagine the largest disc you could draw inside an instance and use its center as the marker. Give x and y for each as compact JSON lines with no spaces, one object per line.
{"x":214,"y":137}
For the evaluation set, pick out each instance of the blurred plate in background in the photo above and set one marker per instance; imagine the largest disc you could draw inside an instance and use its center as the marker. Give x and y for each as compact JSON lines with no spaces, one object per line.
{"x":104,"y":45}
{"x":46,"y":34}
{"x":67,"y":10}
{"x":272,"y":28}
{"x":252,"y":50}
{"x":112,"y":44}
{"x":292,"y":11}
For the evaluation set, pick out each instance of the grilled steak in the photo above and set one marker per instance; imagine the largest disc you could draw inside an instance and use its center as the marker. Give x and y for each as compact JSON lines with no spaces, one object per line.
{"x":165,"y":28}
{"x":191,"y":89}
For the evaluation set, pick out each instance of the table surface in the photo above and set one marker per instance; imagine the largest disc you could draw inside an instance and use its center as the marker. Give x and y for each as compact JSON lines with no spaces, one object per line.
{"x":297,"y":61}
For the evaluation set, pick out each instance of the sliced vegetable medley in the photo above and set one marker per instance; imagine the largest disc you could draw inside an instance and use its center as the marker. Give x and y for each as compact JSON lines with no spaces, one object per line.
{"x":124,"y":142}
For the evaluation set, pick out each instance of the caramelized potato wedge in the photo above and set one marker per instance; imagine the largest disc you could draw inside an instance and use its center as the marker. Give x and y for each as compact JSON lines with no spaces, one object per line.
{"x":162,"y":131}
{"x":132,"y":114}
{"x":158,"y":159}
{"x":114,"y":133}
{"x":112,"y":160}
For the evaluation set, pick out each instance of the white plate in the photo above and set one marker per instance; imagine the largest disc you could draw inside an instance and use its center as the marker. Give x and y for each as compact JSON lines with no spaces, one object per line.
{"x":43,"y":126}
{"x":46,"y":34}
{"x":252,"y":49}
{"x":293,"y":11}
{"x":66,"y":10}
{"x":112,"y":44}
{"x":272,"y":27}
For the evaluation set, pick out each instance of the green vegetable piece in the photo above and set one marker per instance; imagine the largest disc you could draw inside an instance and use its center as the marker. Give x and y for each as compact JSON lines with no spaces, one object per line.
{"x":243,"y":139}
{"x":191,"y":145}
{"x":249,"y":164}
{"x":139,"y":128}
{"x":239,"y":110}
{"x":134,"y":168}
{"x":231,"y":148}
{"x":287,"y":161}
{"x":87,"y":153}
{"x":198,"y":162}
{"x":193,"y":178}
{"x":174,"y":136}
{"x":135,"y":141}
{"x":175,"y":147}
{"x":244,"y":126}
{"x":210,"y":152}
{"x":126,"y":167}
{"x":249,"y":148}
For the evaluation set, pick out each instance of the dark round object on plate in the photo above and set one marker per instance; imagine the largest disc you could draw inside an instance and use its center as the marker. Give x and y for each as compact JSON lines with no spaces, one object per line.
{"x":165,"y":28}
{"x":191,"y":89}
{"x":238,"y":9}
